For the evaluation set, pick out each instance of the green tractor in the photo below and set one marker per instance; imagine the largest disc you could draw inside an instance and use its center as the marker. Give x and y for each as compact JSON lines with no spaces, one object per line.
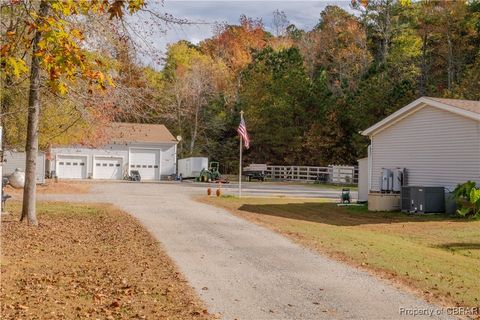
{"x":210,"y":174}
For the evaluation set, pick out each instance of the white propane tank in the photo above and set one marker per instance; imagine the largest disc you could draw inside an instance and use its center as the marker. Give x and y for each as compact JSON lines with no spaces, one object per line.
{"x":17,"y":179}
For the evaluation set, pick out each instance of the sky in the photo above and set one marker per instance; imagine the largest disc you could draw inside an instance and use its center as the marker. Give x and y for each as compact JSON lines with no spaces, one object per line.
{"x":303,"y":13}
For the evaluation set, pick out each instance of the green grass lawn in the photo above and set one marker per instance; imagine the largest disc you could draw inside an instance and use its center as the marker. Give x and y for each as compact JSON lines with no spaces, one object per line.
{"x":329,"y":186}
{"x":58,"y":208}
{"x":438,"y":257}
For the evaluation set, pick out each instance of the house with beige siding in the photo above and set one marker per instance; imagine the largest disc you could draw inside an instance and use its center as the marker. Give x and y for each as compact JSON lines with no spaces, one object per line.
{"x":436,"y":140}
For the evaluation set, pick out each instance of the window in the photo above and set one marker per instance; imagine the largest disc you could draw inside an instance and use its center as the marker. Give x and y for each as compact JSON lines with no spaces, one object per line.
{"x":155,"y":166}
{"x":117,"y":165}
{"x":68,"y":163}
{"x":82,"y":164}
{"x":139,"y":166}
{"x":110,"y":165}
{"x":144,"y":166}
{"x":61,"y":163}
{"x":104,"y":164}
{"x":75,"y":163}
{"x":132,"y":166}
{"x":150,"y":166}
{"x":97,"y":164}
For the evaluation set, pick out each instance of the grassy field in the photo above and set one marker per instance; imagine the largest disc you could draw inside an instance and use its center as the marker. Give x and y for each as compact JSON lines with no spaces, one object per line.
{"x":329,"y":186}
{"x":88,"y":261}
{"x":434,"y":256}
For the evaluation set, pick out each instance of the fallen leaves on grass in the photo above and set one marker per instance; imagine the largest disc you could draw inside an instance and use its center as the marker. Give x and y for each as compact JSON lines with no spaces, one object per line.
{"x":78,"y":265}
{"x":52,"y":187}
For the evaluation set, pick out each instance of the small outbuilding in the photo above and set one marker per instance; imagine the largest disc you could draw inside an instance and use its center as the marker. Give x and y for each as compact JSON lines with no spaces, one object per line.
{"x":435,"y":141}
{"x":148,"y":148}
{"x":13,"y":160}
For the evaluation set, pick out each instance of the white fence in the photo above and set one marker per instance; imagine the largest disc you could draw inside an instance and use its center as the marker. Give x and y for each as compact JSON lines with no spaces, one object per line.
{"x":330,"y":174}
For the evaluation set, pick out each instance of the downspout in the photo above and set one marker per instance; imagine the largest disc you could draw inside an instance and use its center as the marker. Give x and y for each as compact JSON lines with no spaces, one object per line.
{"x":370,"y":166}
{"x":478,"y":149}
{"x":175,"y":160}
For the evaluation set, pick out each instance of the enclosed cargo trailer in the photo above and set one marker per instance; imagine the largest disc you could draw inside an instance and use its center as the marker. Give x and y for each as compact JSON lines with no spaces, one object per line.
{"x":190,"y":168}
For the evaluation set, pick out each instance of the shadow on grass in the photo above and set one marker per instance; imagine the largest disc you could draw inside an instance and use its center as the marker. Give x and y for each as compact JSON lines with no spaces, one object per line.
{"x":329,"y":213}
{"x":458,"y":246}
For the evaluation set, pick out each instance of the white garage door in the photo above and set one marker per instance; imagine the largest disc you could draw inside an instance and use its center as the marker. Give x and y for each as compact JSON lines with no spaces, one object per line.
{"x":146,"y":161}
{"x":72,"y":167}
{"x":107,"y":168}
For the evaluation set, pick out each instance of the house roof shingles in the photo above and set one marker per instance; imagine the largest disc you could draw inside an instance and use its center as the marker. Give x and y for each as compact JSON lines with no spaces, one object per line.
{"x":469,"y":105}
{"x":120,"y":132}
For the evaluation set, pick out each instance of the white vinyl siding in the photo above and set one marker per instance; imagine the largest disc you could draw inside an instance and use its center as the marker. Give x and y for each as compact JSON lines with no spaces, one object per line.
{"x":437,"y":147}
{"x":109,"y":151}
{"x":16,"y":160}
{"x":168,"y":159}
{"x":165,"y":155}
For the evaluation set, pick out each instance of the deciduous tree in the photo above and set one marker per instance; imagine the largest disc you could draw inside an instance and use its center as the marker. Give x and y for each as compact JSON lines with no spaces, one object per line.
{"x":54,"y":46}
{"x":340,"y":46}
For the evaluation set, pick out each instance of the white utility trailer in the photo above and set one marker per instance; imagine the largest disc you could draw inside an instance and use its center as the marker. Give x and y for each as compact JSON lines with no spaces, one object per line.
{"x":191,"y":167}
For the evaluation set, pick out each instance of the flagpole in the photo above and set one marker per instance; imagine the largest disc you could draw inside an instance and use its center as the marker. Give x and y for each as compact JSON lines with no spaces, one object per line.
{"x":240,"y":165}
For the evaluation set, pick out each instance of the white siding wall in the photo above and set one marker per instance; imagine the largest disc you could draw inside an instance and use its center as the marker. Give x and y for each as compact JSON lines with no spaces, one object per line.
{"x":14,"y":159}
{"x":168,"y":155}
{"x":110,"y":150}
{"x":169,"y":160}
{"x":363,"y":179}
{"x":438,"y":148}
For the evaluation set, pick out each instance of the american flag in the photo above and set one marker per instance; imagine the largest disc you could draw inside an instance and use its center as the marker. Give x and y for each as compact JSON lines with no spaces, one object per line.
{"x":242,"y":131}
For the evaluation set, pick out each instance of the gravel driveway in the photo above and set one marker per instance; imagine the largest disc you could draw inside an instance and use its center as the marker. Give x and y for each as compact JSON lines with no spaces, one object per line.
{"x":243,"y":271}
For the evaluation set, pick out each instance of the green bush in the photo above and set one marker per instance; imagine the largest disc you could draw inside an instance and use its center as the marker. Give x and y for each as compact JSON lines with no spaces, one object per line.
{"x":467,"y":197}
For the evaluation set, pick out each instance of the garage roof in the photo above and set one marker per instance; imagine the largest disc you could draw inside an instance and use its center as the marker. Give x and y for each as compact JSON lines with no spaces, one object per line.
{"x":466,"y":108}
{"x":122,"y":132}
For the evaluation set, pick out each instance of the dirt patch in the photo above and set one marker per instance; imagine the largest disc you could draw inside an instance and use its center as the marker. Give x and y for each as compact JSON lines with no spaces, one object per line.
{"x":52,"y":187}
{"x":89,"y":262}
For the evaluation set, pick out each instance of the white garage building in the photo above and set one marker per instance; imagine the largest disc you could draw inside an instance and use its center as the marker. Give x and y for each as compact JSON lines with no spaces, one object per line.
{"x":149,"y":148}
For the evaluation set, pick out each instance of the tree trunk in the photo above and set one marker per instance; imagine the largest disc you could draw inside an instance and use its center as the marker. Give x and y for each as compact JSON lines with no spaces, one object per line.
{"x":29,"y":191}
{"x":450,"y":63}
{"x":386,"y":39}
{"x":178,"y":110}
{"x":195,"y":129}
{"x":423,"y":67}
